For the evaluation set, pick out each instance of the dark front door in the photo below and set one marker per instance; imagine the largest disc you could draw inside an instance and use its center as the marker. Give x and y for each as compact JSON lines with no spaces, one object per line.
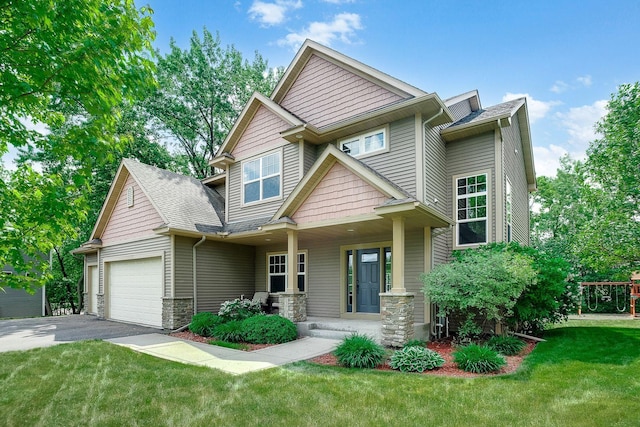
{"x":368,"y":281}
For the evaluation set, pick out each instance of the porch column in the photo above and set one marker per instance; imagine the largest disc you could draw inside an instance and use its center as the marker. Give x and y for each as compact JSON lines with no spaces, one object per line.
{"x":292,"y":261}
{"x":397,"y":256}
{"x":293,"y":303}
{"x":397,"y":305}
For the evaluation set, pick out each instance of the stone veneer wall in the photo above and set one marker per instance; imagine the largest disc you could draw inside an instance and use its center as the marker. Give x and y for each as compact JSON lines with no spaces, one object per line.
{"x":293,"y":306}
{"x":397,"y":313}
{"x":176,"y":312}
{"x":100,"y":301}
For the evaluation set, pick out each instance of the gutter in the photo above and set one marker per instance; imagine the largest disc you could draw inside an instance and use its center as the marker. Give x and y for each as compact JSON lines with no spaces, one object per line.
{"x":195,"y":281}
{"x":430,"y":119}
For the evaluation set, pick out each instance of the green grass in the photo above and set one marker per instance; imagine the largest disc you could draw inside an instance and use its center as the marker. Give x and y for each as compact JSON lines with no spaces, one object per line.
{"x":586,"y":374}
{"x":232,"y":345}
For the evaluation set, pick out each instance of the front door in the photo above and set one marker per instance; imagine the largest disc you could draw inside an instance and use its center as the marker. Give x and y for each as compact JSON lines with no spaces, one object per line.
{"x":368,"y":281}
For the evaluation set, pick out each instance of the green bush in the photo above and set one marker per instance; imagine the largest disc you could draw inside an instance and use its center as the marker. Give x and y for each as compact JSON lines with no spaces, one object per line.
{"x":269,"y":330}
{"x":231,"y":345}
{"x":239,"y":309}
{"x":359,"y":351}
{"x":506,"y":345}
{"x":414,"y":343}
{"x":478,"y":359}
{"x":232,"y":331}
{"x":416,"y":359}
{"x":204,"y":323}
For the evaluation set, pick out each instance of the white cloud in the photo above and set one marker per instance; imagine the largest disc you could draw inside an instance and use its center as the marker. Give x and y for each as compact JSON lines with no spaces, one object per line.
{"x":269,"y":14}
{"x":559,"y":86}
{"x":547,"y":159}
{"x":343,"y":27}
{"x":579,"y":123}
{"x":537,"y":109}
{"x":585,"y":80}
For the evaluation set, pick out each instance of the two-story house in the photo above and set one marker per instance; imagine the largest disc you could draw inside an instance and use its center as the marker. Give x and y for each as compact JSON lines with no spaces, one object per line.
{"x":335,"y":194}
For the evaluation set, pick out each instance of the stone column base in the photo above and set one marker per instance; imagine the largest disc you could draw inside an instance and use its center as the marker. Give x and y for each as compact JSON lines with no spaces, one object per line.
{"x":293,"y":306}
{"x":176,"y":312}
{"x":101,"y":312}
{"x":396,"y":311}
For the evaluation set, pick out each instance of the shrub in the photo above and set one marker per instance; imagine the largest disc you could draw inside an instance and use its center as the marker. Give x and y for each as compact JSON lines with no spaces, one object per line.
{"x":416,"y":359}
{"x":359,"y":351}
{"x":232,"y":345}
{"x":478,"y":359}
{"x":269,"y":330}
{"x":414,"y":343}
{"x":204,"y":323}
{"x":239,"y":309}
{"x":506,"y":345}
{"x":232,"y":331}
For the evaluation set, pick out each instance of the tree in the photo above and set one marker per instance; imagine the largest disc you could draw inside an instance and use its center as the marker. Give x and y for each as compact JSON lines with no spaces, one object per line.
{"x":201,"y":91}
{"x":65,"y":67}
{"x":612,"y":239}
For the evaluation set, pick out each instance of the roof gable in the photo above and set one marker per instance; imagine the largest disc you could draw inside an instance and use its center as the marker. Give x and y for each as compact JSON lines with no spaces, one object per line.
{"x":182,"y":202}
{"x":329,"y":157}
{"x":262,"y":133}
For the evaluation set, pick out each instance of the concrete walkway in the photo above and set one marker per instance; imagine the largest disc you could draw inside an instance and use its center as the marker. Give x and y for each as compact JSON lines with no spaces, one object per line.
{"x":228,"y":360}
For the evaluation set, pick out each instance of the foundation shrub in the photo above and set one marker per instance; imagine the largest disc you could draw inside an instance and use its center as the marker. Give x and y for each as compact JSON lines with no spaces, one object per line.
{"x":232,"y":331}
{"x":478,"y":359}
{"x":359,"y":351}
{"x":416,"y":359}
{"x":264,"y":329}
{"x":239,"y":309}
{"x":507,"y":345}
{"x":204,"y":323}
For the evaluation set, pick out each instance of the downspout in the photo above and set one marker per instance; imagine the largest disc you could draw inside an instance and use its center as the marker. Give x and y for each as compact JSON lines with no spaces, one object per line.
{"x":195,"y":275}
{"x":432,"y":118}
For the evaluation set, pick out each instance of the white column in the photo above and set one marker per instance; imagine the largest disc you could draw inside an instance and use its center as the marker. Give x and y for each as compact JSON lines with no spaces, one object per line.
{"x":397,"y":256}
{"x":292,"y":261}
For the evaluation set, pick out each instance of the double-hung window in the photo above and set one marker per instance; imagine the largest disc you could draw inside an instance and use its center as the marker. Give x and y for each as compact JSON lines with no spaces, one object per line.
{"x":367,"y":143}
{"x":471,"y":209}
{"x":278,"y":268}
{"x":261,"y":178}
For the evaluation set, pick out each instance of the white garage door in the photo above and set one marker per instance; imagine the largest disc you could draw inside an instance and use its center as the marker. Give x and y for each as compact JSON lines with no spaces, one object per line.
{"x":135,"y":293}
{"x":93,"y":289}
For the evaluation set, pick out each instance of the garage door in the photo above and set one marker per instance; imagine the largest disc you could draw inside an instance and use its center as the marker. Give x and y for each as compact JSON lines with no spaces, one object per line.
{"x":135,"y":293}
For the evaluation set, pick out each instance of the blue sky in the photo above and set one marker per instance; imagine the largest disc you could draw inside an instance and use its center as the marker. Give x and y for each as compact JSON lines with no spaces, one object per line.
{"x":567,"y":57}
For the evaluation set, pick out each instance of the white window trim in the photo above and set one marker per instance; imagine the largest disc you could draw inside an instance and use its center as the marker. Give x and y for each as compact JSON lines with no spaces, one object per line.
{"x":360,"y":137}
{"x":281,"y":174}
{"x":454,"y":187}
{"x":286,"y":268}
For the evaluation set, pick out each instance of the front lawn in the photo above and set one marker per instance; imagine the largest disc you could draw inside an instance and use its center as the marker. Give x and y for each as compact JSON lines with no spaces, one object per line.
{"x":586,"y":374}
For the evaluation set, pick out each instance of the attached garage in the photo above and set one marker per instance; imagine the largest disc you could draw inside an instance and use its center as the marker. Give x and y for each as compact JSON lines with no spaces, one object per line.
{"x":92,"y":288}
{"x":135,"y":291}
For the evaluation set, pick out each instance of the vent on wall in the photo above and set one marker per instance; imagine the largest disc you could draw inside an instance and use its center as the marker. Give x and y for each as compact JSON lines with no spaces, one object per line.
{"x":130,"y":196}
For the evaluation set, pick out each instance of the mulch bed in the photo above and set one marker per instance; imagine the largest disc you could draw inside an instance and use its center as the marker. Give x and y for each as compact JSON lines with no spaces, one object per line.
{"x":186,"y":335}
{"x":449,"y":369}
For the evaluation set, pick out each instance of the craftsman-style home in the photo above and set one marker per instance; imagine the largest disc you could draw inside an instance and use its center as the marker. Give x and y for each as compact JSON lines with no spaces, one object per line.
{"x":334,"y":195}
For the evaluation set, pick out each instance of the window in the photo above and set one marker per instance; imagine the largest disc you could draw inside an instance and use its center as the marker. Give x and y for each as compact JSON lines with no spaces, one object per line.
{"x":471,"y":209}
{"x":508,"y":205}
{"x":278,"y":272}
{"x":367,"y":143}
{"x":261,"y":178}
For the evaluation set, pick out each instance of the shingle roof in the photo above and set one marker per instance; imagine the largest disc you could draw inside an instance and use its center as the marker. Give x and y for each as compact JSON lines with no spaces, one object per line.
{"x":183,"y":202}
{"x":489,"y":113}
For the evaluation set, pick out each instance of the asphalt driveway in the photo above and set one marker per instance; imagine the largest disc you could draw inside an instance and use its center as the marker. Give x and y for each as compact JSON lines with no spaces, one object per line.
{"x":25,"y":334}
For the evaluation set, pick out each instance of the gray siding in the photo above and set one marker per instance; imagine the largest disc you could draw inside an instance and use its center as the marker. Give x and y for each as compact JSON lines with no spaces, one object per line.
{"x":515,"y":170}
{"x":442,"y":247}
{"x":19,"y":303}
{"x":183,"y":266}
{"x":435,"y":163}
{"x":290,"y":177}
{"x":140,"y":247}
{"x":399,"y":164}
{"x":469,"y":156}
{"x":310,"y":156}
{"x":460,"y":110}
{"x":91,"y":258}
{"x":224,"y":271}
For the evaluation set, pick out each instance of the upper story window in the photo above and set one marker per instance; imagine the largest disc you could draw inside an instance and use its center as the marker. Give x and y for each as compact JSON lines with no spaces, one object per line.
{"x":261,"y":178}
{"x":367,"y":143}
{"x":471,"y":210}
